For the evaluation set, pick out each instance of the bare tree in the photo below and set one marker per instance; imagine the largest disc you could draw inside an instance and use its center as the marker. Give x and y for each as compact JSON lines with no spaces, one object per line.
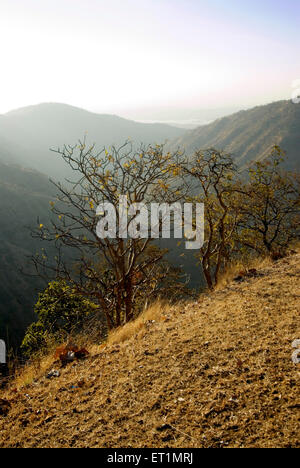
{"x":215,"y":175}
{"x":270,"y":206}
{"x":115,"y":272}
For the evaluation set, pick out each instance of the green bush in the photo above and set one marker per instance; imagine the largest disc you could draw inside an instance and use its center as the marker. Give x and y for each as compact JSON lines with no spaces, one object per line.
{"x":59,"y":311}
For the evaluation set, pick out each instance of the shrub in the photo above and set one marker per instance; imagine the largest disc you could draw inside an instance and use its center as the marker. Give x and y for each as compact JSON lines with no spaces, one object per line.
{"x":60,"y":310}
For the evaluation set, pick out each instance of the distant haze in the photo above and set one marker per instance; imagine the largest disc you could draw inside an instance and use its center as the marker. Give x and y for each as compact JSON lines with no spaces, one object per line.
{"x":180,"y":117}
{"x":120,"y":56}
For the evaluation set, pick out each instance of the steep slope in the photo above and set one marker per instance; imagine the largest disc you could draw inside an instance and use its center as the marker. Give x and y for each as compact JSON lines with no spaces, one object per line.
{"x":250,"y":134}
{"x":24,"y":195}
{"x":215,"y":373}
{"x":29,"y":133}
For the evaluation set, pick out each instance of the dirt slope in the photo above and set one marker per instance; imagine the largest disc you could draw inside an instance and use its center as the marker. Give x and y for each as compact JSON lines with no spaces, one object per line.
{"x":217,"y":373}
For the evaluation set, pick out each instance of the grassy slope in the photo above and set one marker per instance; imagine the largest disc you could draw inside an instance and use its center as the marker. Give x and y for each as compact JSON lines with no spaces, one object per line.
{"x":216,"y":373}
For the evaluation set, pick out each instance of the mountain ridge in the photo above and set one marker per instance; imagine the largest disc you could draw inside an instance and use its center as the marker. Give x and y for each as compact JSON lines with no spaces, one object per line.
{"x":250,"y":134}
{"x":29,"y":133}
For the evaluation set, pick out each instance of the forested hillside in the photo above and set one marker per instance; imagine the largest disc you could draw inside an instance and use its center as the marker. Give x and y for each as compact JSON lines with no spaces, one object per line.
{"x":24,"y":194}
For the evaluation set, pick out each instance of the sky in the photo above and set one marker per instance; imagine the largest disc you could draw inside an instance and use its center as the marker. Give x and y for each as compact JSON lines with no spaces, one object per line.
{"x":115,"y":56}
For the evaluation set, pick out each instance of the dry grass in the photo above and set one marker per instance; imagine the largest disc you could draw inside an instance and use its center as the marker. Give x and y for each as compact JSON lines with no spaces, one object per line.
{"x":212,"y":373}
{"x":26,"y":375}
{"x":136,"y":328}
{"x":238,"y":266}
{"x":42,"y":362}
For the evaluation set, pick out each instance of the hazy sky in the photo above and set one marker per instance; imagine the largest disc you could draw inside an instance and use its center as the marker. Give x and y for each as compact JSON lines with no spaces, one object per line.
{"x":117,"y":55}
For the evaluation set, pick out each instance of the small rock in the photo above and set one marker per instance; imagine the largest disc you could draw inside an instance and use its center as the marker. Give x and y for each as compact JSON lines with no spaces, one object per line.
{"x":53,"y":373}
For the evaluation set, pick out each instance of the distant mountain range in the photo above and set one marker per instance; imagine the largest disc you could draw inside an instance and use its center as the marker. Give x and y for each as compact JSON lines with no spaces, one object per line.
{"x":27,"y":134}
{"x":249,"y":135}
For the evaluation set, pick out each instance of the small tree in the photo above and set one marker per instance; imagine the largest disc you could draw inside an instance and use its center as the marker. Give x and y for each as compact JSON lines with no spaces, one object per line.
{"x":58,"y":309}
{"x":113,"y":270}
{"x":270,"y":206}
{"x":214,"y":175}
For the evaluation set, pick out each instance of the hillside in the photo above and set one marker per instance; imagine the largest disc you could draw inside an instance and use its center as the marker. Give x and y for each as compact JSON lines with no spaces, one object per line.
{"x":24,"y":195}
{"x":215,"y":373}
{"x":249,"y":135}
{"x":27,"y":134}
